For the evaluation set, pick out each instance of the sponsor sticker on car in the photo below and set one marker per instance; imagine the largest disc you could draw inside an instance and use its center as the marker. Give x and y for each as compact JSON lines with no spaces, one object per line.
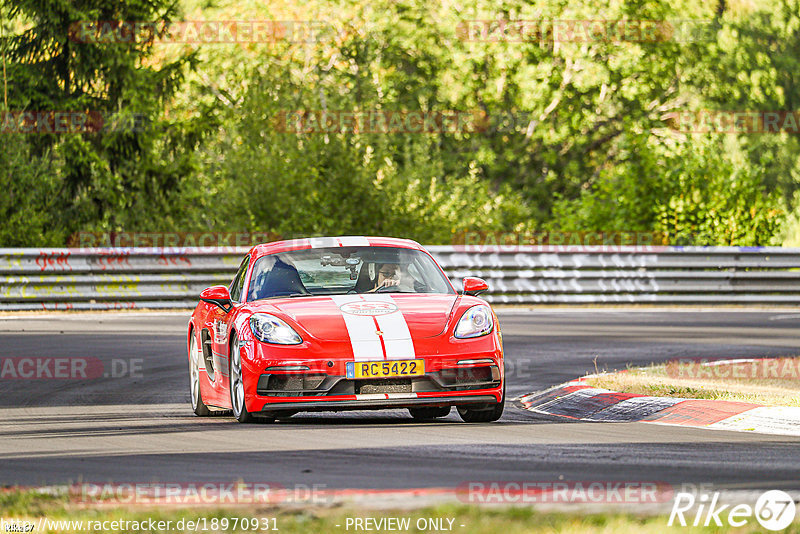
{"x":369,"y":308}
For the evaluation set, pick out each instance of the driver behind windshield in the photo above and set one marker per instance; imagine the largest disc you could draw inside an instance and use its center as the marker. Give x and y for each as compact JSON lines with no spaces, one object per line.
{"x":388,"y":276}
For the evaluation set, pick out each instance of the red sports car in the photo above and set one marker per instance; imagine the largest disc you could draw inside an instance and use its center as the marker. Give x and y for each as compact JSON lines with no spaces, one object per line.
{"x":345,"y":323}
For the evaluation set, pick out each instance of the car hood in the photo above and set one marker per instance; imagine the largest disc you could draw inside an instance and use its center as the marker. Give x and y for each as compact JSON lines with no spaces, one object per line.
{"x":332,"y":318}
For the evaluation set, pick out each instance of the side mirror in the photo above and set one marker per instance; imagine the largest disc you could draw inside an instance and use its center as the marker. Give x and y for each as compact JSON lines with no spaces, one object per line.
{"x":219,"y":296}
{"x":474,"y":286}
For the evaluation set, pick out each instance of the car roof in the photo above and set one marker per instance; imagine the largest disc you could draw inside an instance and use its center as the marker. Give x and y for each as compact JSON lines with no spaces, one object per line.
{"x":337,"y":241}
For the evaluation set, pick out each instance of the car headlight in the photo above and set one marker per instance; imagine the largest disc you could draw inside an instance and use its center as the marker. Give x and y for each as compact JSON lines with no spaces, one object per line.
{"x":270,"y":329}
{"x":476,"y":321}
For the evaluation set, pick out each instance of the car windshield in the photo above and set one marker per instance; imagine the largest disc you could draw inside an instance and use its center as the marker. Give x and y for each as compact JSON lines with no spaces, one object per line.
{"x":345,"y":270}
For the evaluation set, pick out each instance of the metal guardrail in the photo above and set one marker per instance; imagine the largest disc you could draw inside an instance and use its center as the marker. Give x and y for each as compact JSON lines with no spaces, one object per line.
{"x":53,"y":279}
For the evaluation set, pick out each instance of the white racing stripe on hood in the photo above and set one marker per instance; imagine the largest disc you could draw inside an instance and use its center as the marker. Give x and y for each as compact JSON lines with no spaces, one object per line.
{"x":364,"y":336}
{"x":396,"y":335}
{"x":361,"y":329}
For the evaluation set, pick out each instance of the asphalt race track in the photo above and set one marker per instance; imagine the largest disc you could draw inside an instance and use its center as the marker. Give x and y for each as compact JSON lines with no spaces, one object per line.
{"x":135,"y":425}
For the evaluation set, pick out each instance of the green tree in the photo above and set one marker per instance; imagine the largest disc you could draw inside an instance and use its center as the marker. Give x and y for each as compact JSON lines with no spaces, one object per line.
{"x":131,"y":173}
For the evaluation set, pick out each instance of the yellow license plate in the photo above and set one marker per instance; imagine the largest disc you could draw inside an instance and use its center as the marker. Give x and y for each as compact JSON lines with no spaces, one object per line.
{"x":386,"y":369}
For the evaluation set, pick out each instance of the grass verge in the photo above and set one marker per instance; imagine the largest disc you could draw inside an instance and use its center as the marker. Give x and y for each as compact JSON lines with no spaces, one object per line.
{"x":769,"y":381}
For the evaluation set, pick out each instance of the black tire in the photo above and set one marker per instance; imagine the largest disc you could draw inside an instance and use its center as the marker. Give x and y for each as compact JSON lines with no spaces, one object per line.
{"x":195,"y":394}
{"x":236,"y":384}
{"x":428,"y":413}
{"x":483,"y":413}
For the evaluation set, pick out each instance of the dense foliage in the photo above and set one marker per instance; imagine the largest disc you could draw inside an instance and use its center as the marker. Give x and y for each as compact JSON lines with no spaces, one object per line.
{"x":564,"y":135}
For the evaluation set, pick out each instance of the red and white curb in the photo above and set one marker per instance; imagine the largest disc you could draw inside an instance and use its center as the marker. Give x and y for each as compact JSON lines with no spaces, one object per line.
{"x":579,"y":401}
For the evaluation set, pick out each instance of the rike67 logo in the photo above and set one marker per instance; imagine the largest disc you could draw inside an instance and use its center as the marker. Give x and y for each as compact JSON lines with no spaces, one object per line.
{"x":774,"y":510}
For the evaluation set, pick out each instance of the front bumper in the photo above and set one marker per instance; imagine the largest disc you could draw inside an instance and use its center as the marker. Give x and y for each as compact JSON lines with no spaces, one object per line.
{"x":376,"y":401}
{"x":444,"y":387}
{"x":316,"y":384}
{"x":312,"y":377}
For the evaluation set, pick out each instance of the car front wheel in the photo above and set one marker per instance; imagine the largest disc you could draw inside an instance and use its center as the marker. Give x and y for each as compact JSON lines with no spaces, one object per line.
{"x":237,"y":383}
